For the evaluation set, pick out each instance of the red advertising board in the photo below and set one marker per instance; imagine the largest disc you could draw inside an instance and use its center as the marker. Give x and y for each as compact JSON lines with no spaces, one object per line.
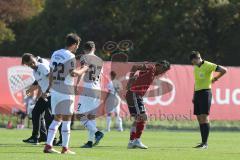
{"x":175,"y":104}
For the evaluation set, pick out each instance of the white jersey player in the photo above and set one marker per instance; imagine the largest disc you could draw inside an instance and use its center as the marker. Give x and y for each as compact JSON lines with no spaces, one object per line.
{"x":113,"y":101}
{"x":42,"y":107}
{"x":90,"y":98}
{"x":62,"y":91}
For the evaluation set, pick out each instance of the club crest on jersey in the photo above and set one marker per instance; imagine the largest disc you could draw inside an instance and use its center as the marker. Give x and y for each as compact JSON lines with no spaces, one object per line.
{"x":19,"y":78}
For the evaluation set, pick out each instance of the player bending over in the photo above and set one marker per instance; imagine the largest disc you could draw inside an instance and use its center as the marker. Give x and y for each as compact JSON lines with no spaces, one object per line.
{"x":41,"y":113}
{"x":137,"y":86}
{"x":62,"y":91}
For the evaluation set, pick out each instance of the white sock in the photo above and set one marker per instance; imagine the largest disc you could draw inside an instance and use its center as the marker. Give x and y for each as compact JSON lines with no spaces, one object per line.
{"x":52,"y":132}
{"x":94,"y":124}
{"x":91,"y":136}
{"x":66,"y":133}
{"x":119,"y":122}
{"x":109,"y":120}
{"x":91,"y":127}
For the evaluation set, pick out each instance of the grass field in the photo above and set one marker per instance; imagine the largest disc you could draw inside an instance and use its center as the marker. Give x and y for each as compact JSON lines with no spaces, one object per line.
{"x":163,"y":145}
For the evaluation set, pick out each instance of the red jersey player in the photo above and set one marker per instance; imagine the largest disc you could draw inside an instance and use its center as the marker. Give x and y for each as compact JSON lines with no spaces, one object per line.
{"x":137,"y":86}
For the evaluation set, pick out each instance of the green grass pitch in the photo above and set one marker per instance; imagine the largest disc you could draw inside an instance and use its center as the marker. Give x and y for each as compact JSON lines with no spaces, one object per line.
{"x":163,"y":145}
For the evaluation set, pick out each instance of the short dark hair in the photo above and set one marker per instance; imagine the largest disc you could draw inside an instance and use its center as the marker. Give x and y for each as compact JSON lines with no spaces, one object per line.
{"x":26,"y":58}
{"x":71,"y":39}
{"x":166,"y":65}
{"x":89,"y":45}
{"x":194,"y":54}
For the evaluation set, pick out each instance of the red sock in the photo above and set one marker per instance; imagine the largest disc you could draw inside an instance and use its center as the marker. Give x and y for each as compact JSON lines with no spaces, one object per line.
{"x":133,"y":133}
{"x":139,"y":129}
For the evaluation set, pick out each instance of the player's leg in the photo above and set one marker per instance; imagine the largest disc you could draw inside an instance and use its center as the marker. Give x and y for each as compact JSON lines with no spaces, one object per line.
{"x":93,"y":133}
{"x":66,"y":108}
{"x":108,"y":122}
{"x":52,"y":133}
{"x":43,"y":130}
{"x":98,"y":135}
{"x":138,"y":111}
{"x":66,"y":130}
{"x":201,"y":109}
{"x":59,"y":142}
{"x":55,"y":99}
{"x":91,"y":130}
{"x":204,"y":125}
{"x":133,"y":113}
{"x":140,"y":126}
{"x":36,"y":121}
{"x":86,"y":111}
{"x":46,"y":120}
{"x":48,"y":113}
{"x":118,"y":117}
{"x":132,"y":136}
{"x":112,"y":104}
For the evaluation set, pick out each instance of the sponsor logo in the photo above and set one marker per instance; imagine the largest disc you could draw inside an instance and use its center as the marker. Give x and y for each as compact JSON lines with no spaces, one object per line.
{"x":19,"y":78}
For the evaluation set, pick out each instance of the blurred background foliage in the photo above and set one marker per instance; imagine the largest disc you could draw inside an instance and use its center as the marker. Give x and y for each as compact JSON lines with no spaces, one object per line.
{"x":159,"y":29}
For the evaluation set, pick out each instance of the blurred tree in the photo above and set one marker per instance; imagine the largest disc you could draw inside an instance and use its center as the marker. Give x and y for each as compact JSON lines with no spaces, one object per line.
{"x":159,"y":29}
{"x":15,"y":11}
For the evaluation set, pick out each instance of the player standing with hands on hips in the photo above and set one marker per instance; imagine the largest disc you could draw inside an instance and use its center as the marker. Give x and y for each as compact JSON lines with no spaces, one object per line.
{"x":203,"y":74}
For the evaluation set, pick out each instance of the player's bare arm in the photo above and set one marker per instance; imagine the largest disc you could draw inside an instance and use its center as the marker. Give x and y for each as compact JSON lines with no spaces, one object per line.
{"x":221,"y":71}
{"x":79,"y":72}
{"x":33,"y":87}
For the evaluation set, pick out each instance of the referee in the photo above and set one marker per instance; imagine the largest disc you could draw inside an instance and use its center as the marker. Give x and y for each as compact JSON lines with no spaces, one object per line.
{"x":203,"y":74}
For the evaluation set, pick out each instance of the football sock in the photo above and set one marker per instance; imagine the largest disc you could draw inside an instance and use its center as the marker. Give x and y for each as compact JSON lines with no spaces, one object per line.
{"x":205,"y":128}
{"x":109,"y":120}
{"x":119,"y":122}
{"x":201,"y":130}
{"x":139,"y":129}
{"x":52,"y":132}
{"x":133,"y":133}
{"x":91,"y":126}
{"x":91,"y":136}
{"x":66,"y":133}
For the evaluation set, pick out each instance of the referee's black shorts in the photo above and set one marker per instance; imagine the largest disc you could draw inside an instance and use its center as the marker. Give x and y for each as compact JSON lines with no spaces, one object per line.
{"x":202,"y":101}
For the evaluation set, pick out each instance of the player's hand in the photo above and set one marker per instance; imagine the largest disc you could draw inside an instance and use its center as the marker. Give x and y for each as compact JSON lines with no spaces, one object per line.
{"x":214,"y":80}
